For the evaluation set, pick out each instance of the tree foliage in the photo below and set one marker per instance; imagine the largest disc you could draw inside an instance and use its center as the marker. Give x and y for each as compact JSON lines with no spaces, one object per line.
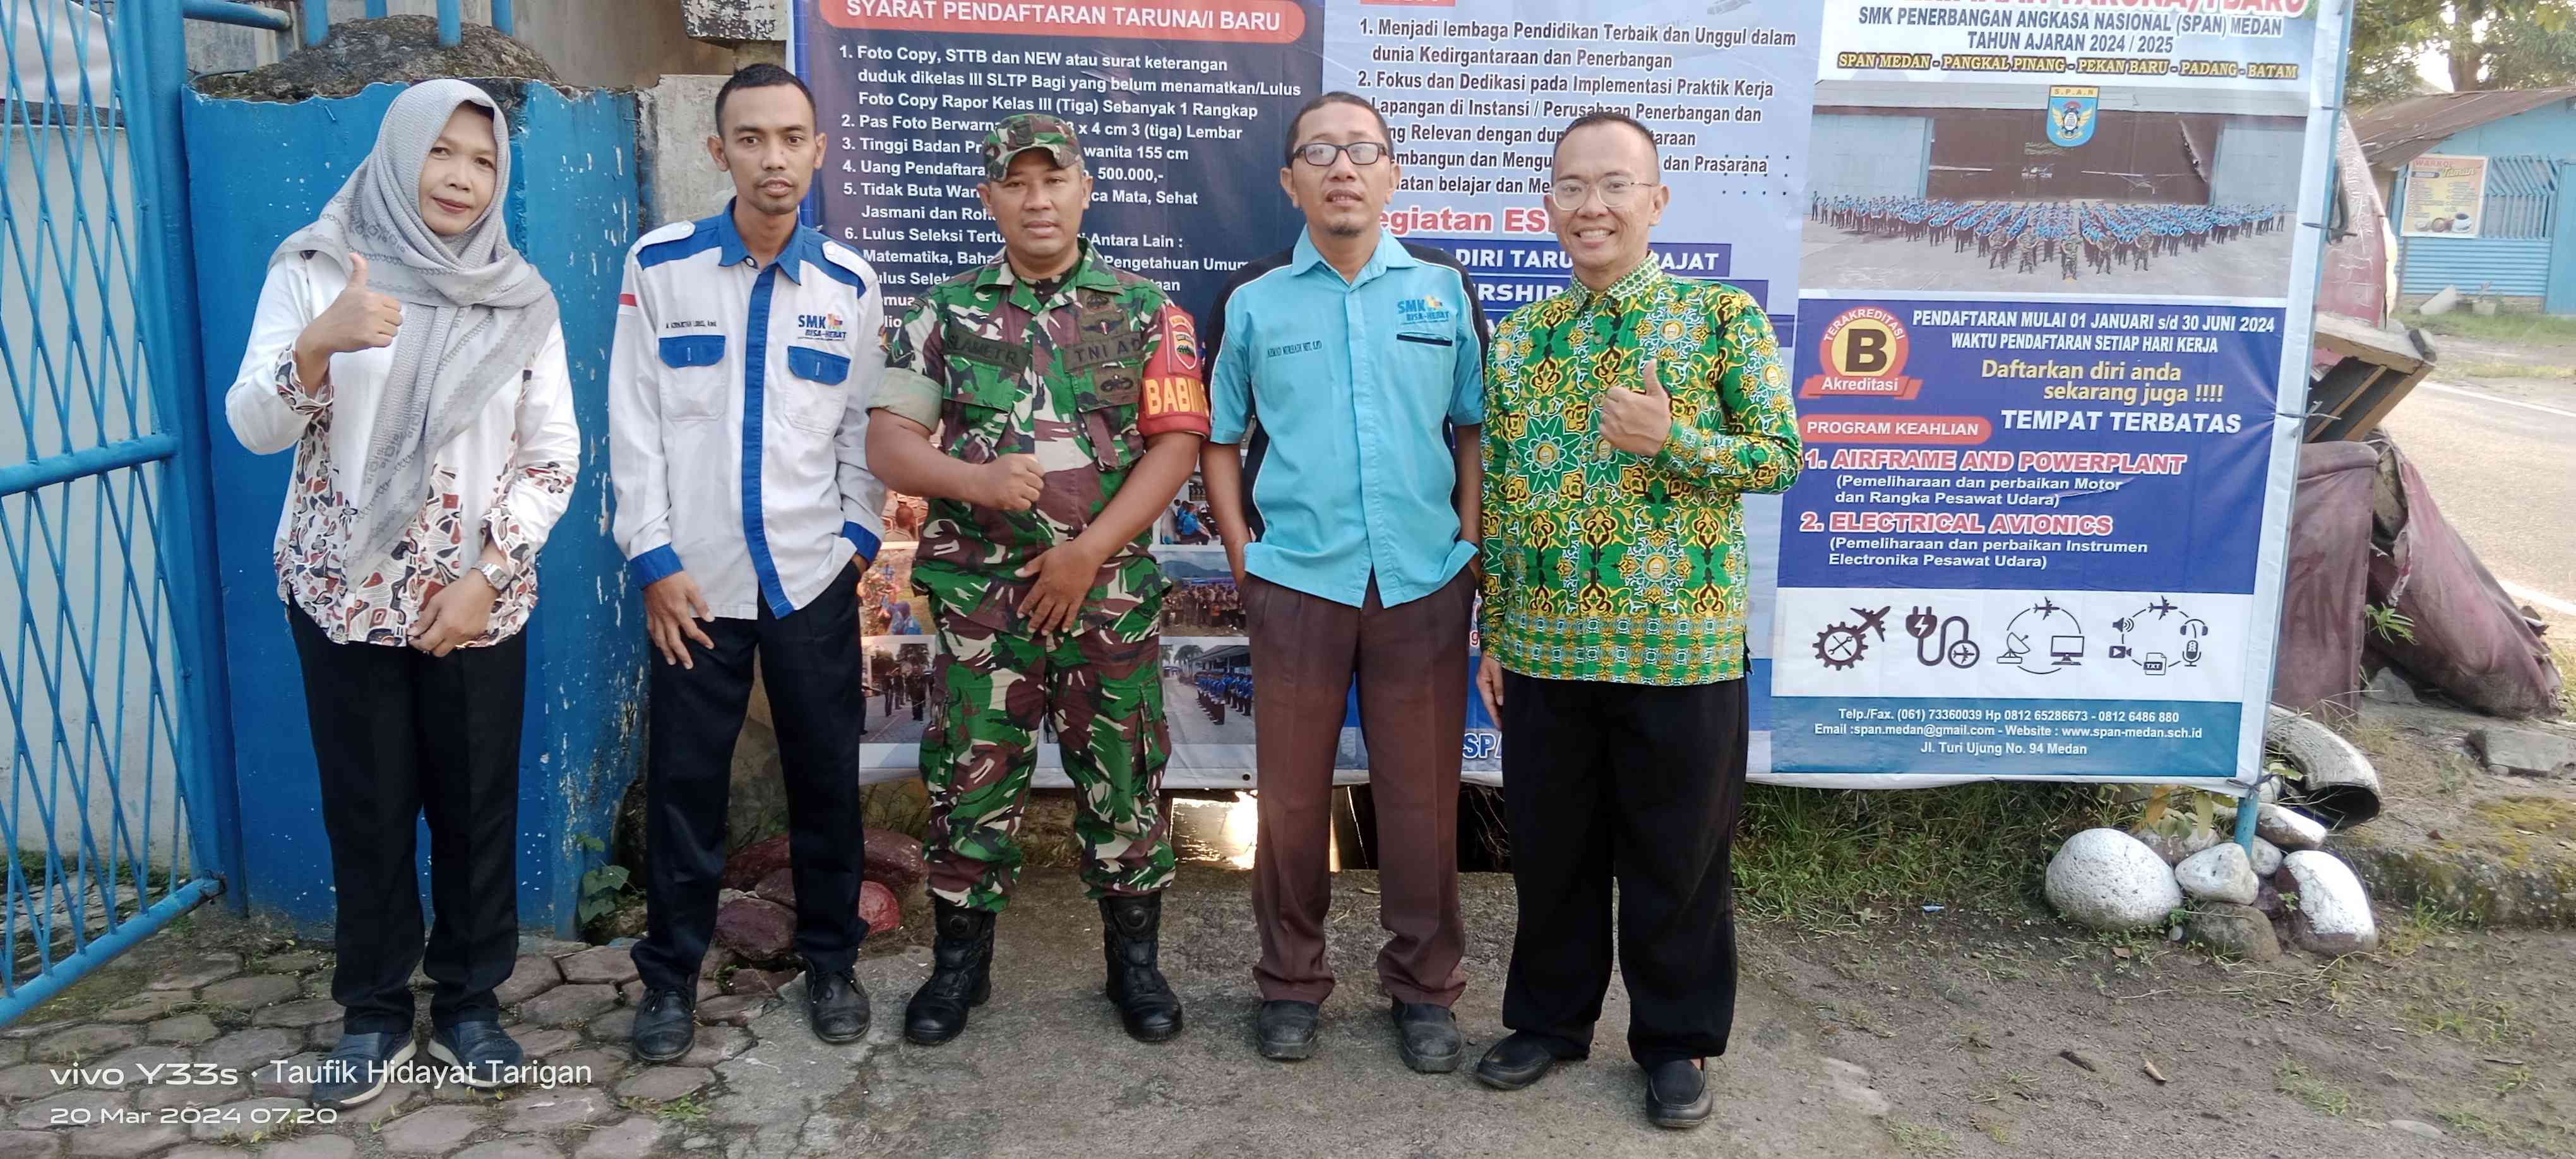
{"x":2486,"y":45}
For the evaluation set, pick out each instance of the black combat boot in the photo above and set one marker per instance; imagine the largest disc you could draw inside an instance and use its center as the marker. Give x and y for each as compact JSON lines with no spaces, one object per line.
{"x":961,"y":975}
{"x":1128,"y":939}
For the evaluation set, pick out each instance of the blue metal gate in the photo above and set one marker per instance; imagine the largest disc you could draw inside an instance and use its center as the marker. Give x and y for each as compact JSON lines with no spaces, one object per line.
{"x":119,"y":813}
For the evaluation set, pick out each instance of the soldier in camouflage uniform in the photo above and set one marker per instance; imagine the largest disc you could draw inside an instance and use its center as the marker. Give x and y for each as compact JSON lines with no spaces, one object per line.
{"x":1048,"y":405}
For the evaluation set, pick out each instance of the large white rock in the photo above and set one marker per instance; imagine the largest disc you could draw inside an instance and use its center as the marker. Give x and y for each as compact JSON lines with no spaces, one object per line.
{"x":2108,"y":880}
{"x":2266,"y":859}
{"x":2288,"y":830}
{"x":2333,"y":912}
{"x":2219,"y":873}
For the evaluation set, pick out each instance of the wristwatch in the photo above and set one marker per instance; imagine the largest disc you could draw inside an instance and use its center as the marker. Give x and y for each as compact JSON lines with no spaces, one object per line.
{"x":494,"y":574}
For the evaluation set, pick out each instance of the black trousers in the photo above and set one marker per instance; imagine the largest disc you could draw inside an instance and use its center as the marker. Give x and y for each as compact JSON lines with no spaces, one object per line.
{"x":1640,"y":785}
{"x":810,"y":664}
{"x":397,"y":732}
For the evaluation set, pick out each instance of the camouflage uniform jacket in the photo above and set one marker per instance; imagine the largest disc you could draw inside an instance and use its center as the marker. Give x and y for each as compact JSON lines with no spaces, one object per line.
{"x":1080,"y":380}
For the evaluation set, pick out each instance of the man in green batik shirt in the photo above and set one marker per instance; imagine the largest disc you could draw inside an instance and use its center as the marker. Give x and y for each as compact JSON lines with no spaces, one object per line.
{"x":1048,"y":405}
{"x":1624,"y":418}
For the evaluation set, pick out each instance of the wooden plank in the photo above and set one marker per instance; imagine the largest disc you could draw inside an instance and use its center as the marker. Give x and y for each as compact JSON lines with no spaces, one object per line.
{"x":2381,"y":397}
{"x":2348,"y":338}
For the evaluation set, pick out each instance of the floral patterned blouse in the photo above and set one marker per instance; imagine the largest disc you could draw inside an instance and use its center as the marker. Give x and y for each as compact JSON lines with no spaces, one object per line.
{"x":506,"y":480}
{"x":1605,"y":565}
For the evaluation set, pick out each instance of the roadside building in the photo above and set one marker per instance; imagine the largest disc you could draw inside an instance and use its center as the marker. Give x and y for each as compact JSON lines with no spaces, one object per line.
{"x":2474,"y":182}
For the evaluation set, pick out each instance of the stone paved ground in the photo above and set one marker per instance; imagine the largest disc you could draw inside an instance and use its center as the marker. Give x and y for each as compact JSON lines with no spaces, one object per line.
{"x":1872,"y":1036}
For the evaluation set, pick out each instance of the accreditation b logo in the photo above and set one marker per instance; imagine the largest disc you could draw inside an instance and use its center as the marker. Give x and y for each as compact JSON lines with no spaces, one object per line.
{"x":1864,"y":352}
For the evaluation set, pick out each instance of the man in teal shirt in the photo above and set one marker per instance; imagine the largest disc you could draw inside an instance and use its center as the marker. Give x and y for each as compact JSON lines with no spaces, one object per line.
{"x":1361,"y":360}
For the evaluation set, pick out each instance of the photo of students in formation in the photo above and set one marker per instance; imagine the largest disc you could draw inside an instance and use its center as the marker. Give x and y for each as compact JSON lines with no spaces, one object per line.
{"x":899,"y":692}
{"x":2049,"y":189}
{"x":1208,"y":684}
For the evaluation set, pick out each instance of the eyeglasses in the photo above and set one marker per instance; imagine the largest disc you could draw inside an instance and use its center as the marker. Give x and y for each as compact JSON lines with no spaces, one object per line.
{"x":1616,"y":193}
{"x":1320,"y":154}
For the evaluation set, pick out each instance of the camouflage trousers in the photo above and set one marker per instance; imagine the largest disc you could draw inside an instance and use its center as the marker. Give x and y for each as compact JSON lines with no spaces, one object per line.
{"x":1103,"y":687}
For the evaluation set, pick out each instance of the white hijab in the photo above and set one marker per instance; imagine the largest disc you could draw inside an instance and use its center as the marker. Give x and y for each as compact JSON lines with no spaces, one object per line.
{"x":475,"y":313}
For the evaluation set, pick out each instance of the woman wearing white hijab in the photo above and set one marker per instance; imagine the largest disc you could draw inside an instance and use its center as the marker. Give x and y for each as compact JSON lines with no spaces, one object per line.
{"x":414,"y":361}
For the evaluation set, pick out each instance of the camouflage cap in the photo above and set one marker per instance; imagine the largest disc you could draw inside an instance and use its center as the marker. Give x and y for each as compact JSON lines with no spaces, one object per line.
{"x":1021,"y":132}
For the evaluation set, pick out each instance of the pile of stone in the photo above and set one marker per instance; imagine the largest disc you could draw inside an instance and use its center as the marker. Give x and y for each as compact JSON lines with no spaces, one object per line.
{"x":2287,"y":890}
{"x":756,"y":912}
{"x":2189,"y":875}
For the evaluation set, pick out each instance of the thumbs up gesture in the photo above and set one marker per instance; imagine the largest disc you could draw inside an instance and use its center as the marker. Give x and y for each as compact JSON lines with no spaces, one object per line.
{"x":1638,"y":421}
{"x":358,"y":319}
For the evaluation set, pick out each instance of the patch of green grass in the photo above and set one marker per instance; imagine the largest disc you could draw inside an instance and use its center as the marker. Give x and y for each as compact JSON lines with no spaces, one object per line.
{"x":2388,"y":623}
{"x":2565,"y":655}
{"x":2540,"y":1137}
{"x":1995,"y":1129}
{"x":1919,"y":1139}
{"x":2517,"y":370}
{"x":2420,"y":924}
{"x":2449,"y":1004}
{"x":2544,"y":328}
{"x":1855,"y":1016}
{"x":2291,"y":1078}
{"x":1808,"y":854}
{"x":687,"y":1110}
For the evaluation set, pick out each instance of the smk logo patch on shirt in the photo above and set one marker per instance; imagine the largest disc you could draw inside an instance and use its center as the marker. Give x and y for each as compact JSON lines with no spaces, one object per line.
{"x":822,"y":327}
{"x":1424,"y":311}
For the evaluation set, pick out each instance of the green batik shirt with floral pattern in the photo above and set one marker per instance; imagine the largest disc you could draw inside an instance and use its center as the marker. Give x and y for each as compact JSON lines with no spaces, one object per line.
{"x":1605,"y":565}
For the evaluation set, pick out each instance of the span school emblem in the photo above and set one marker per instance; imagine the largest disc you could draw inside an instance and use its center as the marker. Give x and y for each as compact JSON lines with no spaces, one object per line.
{"x":2073,"y":110}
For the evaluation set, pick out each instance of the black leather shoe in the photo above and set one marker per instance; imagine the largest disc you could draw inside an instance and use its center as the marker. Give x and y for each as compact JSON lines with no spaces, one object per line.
{"x":835,"y":1005}
{"x":961,"y":974}
{"x":1129,"y":928}
{"x":358,"y":1069}
{"x":1427,"y":1036}
{"x":1286,"y":1028}
{"x":666,"y":1025}
{"x":485,"y":1054}
{"x":1520,"y":1059}
{"x":1677,"y":1095}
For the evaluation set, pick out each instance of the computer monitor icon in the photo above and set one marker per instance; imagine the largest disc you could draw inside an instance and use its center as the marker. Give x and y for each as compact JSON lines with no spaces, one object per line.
{"x":2065,"y":649}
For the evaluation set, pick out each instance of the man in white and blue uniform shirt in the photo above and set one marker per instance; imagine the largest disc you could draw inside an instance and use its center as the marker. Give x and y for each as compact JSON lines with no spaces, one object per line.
{"x":1355,"y":363}
{"x":746,"y":347}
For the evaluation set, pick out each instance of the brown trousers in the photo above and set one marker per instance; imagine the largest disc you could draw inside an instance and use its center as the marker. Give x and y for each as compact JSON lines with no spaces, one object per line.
{"x":1411,"y":664}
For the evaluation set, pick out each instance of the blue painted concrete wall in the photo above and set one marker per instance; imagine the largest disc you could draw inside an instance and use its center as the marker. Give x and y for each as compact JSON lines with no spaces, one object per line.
{"x":258,"y":172}
{"x":2514,"y":267}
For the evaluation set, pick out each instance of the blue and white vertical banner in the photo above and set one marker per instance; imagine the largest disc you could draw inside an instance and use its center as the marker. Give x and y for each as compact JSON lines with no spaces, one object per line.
{"x":2044,"y":266}
{"x":2051,"y":355}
